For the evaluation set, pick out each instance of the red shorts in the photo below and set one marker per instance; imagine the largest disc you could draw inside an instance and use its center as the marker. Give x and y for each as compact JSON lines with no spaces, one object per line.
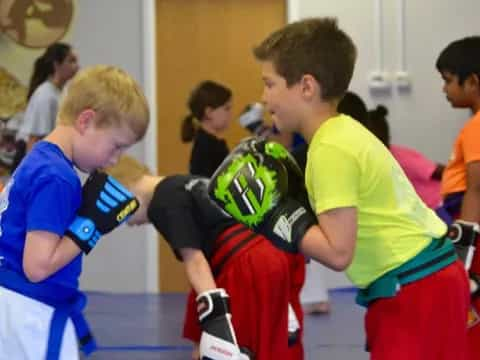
{"x":474,"y":314}
{"x":474,"y":330}
{"x":297,"y":280}
{"x":426,"y":320}
{"x":259,"y":281}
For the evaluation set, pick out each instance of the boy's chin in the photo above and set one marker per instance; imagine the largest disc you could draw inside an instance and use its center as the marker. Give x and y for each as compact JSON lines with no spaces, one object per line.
{"x":282,"y":127}
{"x":86,"y":168}
{"x":136,"y":222}
{"x":278,"y":123}
{"x":458,"y":105}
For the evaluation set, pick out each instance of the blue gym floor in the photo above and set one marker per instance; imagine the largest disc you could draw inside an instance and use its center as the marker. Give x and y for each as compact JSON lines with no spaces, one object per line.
{"x":148,"y":327}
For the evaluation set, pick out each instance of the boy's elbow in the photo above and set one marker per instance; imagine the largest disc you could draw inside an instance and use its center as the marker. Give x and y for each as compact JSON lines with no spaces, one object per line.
{"x":339,"y":266}
{"x":35,"y":274}
{"x":341,"y":262}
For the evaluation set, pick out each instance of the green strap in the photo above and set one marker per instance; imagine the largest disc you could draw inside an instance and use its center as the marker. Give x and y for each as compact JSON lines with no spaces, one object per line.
{"x":436,"y":256}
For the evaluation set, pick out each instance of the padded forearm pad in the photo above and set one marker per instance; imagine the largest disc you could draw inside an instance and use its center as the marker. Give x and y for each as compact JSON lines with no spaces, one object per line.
{"x":218,"y":341}
{"x":464,"y":236}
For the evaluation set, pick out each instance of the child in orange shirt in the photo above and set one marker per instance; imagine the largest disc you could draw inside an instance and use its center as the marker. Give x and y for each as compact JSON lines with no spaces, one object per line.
{"x":459,"y":65}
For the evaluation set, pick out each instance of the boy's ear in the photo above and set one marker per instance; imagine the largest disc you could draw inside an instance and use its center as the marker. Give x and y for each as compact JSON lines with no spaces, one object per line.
{"x":473,"y":81}
{"x":310,"y":87}
{"x":85,"y":119}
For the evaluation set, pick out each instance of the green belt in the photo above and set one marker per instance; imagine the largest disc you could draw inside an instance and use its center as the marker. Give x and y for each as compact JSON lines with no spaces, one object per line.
{"x":437,"y":255}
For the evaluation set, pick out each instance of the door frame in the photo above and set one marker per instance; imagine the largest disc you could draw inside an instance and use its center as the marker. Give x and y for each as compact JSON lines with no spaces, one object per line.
{"x":152,"y":269}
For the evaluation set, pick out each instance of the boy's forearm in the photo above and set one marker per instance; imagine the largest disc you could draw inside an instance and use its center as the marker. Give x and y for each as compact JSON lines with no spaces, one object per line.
{"x":65,"y":252}
{"x":316,"y":245}
{"x":198,"y":272}
{"x":45,"y":254}
{"x":471,"y":205}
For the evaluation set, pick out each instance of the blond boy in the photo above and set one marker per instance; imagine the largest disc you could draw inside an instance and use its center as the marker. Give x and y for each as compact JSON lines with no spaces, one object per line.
{"x":47,"y":220}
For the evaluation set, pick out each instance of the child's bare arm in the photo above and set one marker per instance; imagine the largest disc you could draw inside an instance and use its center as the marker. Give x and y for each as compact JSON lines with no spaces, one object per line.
{"x":471,"y":201}
{"x":105,"y":205}
{"x":198,"y":270}
{"x":45,"y":253}
{"x":196,"y":352}
{"x":333,"y":241}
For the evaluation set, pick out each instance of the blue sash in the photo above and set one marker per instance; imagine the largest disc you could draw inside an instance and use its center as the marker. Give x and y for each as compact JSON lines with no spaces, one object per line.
{"x":67,"y":302}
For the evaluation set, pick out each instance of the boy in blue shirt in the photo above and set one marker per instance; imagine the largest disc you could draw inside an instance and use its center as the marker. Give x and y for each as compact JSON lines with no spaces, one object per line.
{"x":47,"y":219}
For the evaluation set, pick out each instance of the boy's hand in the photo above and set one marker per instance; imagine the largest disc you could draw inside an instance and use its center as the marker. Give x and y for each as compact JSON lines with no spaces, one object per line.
{"x":105,"y":204}
{"x":259,"y":185}
{"x":218,"y":341}
{"x":474,"y":285}
{"x":252,"y":118}
{"x":464,"y":236}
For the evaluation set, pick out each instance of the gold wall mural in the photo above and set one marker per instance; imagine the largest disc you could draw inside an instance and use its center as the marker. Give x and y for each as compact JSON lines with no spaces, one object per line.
{"x":35,"y":23}
{"x":27,"y":27}
{"x":13,"y":95}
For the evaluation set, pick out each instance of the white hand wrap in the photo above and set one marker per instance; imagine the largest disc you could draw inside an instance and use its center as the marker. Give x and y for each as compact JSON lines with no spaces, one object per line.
{"x":218,"y":341}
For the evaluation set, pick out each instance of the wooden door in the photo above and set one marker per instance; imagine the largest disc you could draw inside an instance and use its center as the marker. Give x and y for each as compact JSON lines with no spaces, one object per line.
{"x":204,"y":40}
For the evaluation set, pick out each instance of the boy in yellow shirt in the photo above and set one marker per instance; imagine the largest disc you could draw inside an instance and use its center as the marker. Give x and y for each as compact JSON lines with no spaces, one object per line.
{"x":366,"y":219}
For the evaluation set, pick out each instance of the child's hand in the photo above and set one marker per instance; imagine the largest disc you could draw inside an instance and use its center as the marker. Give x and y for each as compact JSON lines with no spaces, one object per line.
{"x":218,"y":339}
{"x":105,"y":204}
{"x":464,"y":236}
{"x":259,"y":184}
{"x":474,"y":285}
{"x":252,"y":118}
{"x":195,"y":352}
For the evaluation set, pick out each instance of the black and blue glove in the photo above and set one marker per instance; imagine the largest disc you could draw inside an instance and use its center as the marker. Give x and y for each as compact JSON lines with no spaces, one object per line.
{"x":105,"y":205}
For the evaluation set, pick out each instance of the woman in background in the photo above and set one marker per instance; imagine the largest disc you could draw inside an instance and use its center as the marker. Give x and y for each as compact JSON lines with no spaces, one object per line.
{"x":51,"y":71}
{"x":210,"y":106}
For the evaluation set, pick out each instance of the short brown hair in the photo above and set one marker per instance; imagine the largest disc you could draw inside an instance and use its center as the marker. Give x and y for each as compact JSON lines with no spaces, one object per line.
{"x":315,"y":46}
{"x":128,"y":170}
{"x":112,"y":93}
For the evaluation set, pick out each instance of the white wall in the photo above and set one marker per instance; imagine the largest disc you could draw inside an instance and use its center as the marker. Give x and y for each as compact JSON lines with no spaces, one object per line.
{"x":430,"y":26}
{"x":115,"y":31}
{"x":420,"y":118}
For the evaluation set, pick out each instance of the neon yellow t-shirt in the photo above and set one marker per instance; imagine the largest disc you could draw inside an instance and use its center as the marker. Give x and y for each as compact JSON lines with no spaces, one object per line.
{"x":347,"y":166}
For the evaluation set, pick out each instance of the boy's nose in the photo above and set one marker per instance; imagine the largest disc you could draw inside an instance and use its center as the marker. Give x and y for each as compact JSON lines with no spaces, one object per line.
{"x":114,"y":159}
{"x":264,"y":98}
